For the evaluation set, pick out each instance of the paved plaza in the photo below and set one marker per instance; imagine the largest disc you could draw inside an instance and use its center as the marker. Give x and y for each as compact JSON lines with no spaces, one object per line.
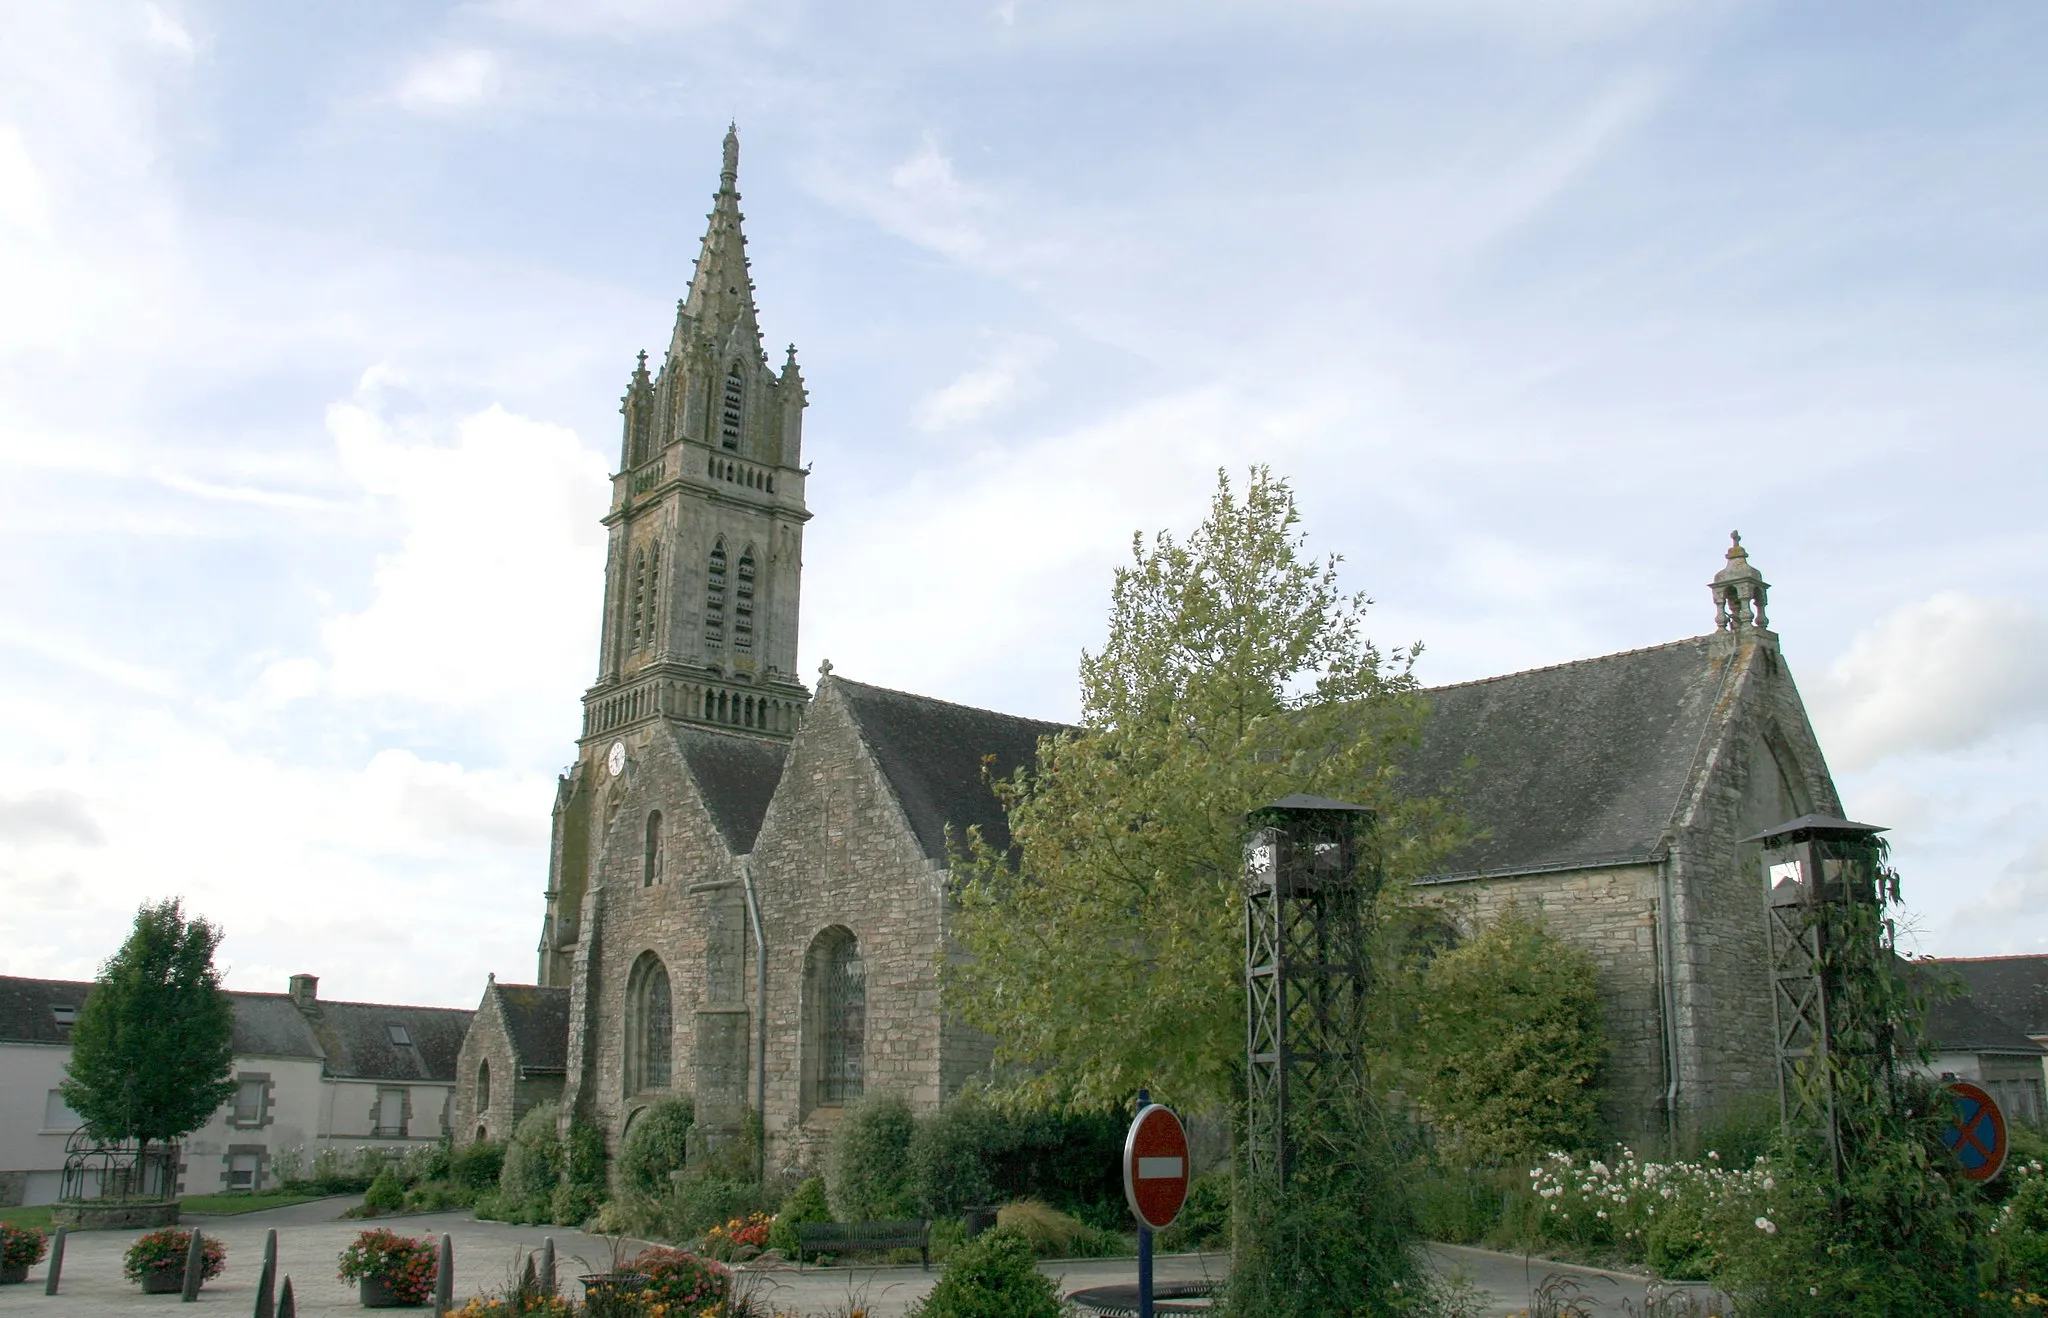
{"x":488,"y":1253}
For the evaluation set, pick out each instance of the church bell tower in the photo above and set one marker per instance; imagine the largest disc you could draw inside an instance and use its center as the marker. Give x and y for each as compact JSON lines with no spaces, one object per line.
{"x":704,"y":566}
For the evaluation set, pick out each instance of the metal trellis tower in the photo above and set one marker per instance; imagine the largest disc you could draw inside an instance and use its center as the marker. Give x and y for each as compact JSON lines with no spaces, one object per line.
{"x":1309,"y":882}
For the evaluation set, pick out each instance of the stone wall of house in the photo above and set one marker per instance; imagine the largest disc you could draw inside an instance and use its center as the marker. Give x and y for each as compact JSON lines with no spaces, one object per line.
{"x":836,"y":850}
{"x":485,"y":1045}
{"x":1611,"y":913}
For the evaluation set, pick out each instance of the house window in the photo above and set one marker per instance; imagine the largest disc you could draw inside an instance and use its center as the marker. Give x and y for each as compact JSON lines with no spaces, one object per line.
{"x":743,"y":605}
{"x":837,"y":979}
{"x":248,"y":1102}
{"x":650,"y":1026}
{"x":651,"y":858}
{"x":483,"y":1088}
{"x":714,"y":599}
{"x":735,"y":401}
{"x":57,"y":1114}
{"x":390,"y":1114}
{"x":245,"y":1171}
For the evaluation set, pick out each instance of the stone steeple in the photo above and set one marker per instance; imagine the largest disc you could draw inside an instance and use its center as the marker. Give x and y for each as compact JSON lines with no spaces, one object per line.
{"x":1740,"y":592}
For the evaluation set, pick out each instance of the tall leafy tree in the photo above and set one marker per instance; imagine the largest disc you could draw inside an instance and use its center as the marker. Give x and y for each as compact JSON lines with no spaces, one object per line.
{"x":1106,"y":951}
{"x":152,"y":1054}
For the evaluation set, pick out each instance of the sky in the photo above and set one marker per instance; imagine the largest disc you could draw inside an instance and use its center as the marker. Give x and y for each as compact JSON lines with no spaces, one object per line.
{"x":314,"y":321}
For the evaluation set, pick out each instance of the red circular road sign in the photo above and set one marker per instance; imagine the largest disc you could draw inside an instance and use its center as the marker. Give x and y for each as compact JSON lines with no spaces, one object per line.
{"x":1156,"y":1166}
{"x":1975,"y":1133}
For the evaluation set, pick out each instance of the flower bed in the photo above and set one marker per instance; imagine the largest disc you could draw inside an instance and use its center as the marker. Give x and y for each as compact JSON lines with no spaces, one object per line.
{"x":163,"y":1251}
{"x":21,"y":1248}
{"x":681,"y":1282}
{"x":739,"y":1238}
{"x":404,"y":1265}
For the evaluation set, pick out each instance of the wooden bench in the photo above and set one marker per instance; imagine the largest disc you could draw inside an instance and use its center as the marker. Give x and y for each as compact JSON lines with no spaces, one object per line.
{"x":844,"y":1237}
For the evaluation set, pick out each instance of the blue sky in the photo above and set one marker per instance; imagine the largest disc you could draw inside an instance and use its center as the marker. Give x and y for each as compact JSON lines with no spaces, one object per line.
{"x":314,"y":319}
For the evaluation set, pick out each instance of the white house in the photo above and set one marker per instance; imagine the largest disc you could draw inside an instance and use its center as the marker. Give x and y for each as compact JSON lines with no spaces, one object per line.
{"x":309,"y":1075}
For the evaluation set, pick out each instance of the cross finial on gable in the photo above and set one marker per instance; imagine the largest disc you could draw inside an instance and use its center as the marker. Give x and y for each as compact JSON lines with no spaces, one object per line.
{"x":1740,"y":591}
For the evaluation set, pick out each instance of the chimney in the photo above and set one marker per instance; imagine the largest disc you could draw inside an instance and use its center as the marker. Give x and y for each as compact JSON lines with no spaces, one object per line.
{"x":304,"y":991}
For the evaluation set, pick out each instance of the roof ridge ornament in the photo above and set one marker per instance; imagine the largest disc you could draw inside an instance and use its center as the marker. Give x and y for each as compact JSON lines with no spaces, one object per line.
{"x":1740,"y":592}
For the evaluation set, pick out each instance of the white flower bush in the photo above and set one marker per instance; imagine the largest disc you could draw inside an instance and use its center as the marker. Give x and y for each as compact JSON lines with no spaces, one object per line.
{"x":1621,"y":1200}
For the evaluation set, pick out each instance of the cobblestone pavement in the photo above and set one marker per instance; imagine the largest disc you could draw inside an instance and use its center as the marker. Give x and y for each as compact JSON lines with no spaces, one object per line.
{"x":486,"y":1253}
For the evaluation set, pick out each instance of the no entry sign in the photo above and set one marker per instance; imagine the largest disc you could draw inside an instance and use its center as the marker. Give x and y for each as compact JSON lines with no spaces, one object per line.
{"x":1156,"y":1166}
{"x":1975,"y":1133}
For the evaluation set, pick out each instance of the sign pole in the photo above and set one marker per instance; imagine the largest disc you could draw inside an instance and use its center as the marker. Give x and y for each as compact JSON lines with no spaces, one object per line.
{"x":1144,"y":1241}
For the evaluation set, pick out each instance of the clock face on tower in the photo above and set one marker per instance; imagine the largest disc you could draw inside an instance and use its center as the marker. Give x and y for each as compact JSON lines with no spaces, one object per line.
{"x":615,"y":760}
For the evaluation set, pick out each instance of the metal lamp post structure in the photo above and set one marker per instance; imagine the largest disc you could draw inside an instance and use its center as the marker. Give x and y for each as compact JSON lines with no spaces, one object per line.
{"x":1310,"y":878}
{"x":1826,"y":886}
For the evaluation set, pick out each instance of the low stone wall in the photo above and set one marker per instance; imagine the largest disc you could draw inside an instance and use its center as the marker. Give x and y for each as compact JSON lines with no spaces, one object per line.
{"x":114,"y":1215}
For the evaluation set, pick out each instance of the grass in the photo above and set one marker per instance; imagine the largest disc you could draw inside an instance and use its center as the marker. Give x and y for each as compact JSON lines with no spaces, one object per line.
{"x":37,"y":1217}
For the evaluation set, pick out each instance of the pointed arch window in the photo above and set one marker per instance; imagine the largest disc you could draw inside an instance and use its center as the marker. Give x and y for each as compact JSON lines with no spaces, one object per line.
{"x":483,"y":1087}
{"x":652,"y":860}
{"x":734,"y":410}
{"x":837,"y":981}
{"x":637,"y":599}
{"x":743,"y":604}
{"x":650,"y":1026}
{"x":714,"y":599}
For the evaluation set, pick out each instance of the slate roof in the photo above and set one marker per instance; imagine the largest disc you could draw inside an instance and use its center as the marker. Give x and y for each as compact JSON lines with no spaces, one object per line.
{"x":537,"y":1022}
{"x":932,"y":752}
{"x":350,"y":1038}
{"x":736,"y":776}
{"x":25,"y":1008}
{"x":2014,"y":988}
{"x":1580,"y":764}
{"x":1962,"y":1025}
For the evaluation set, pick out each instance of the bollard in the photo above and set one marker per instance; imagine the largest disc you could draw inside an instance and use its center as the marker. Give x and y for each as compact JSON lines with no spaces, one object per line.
{"x":266,"y":1283}
{"x":547,"y":1266}
{"x":444,"y":1277}
{"x":286,"y":1306}
{"x":56,"y":1261}
{"x":195,"y":1265}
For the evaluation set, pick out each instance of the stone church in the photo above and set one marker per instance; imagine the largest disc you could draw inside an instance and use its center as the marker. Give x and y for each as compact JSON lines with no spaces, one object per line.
{"x":746,"y":889}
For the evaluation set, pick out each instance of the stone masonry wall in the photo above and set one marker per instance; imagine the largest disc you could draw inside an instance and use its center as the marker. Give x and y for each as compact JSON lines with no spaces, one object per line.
{"x":835,"y":849}
{"x":1612,"y":914}
{"x":485,"y":1043}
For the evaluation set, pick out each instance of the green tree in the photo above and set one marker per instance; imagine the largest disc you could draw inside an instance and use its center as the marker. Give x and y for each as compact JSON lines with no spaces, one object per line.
{"x":1509,"y":1044}
{"x":152,"y":1054}
{"x":1106,"y":951}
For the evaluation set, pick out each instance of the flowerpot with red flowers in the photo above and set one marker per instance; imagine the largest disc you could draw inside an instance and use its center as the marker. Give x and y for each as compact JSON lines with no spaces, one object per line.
{"x":157,"y":1260}
{"x":21,"y":1248}
{"x":391,"y":1271}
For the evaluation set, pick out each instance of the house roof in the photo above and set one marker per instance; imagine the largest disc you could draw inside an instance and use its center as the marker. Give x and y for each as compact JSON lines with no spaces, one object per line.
{"x":933,"y":753}
{"x":1963,"y":1025}
{"x":736,"y":776}
{"x":26,"y":1008}
{"x":353,"y":1040}
{"x":2014,"y":988}
{"x":537,"y":1023}
{"x":1579,"y":764}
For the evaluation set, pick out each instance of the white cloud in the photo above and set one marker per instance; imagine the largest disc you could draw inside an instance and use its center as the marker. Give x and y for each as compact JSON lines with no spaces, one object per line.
{"x":1006,"y":375}
{"x":498,"y":563}
{"x":168,"y":32}
{"x":609,"y":17}
{"x":1938,"y":675}
{"x":927,"y":202}
{"x":24,"y":199}
{"x":452,"y":80}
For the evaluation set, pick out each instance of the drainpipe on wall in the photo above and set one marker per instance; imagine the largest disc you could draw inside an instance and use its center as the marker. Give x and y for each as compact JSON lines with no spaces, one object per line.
{"x":760,"y":1021}
{"x":1667,"y":997}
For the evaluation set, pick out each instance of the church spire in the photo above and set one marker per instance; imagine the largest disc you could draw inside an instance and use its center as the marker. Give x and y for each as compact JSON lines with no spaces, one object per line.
{"x":721,"y":299}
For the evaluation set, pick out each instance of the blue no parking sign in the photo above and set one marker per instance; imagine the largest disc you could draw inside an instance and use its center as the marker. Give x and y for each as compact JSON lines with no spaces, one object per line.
{"x":1975,"y":1133}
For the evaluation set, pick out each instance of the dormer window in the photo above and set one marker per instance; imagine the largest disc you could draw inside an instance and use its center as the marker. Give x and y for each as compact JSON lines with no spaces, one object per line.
{"x":398,"y":1035}
{"x":66,"y":1014}
{"x":735,"y":400}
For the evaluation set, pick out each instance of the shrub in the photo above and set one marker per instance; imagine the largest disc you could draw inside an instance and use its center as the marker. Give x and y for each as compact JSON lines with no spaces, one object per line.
{"x":435,"y":1196}
{"x":1204,"y":1221}
{"x":1509,"y":1042}
{"x":678,"y":1277}
{"x":2019,"y":1234}
{"x":702,"y":1200}
{"x":1053,"y":1234}
{"x":658,"y":1144}
{"x":867,"y":1176}
{"x":572,"y":1204}
{"x":949,"y":1155}
{"x":166,"y":1247}
{"x":995,"y":1275}
{"x":385,"y":1194}
{"x":22,"y":1246}
{"x":477,"y":1165}
{"x":533,"y":1164}
{"x":407,"y":1265}
{"x":805,"y":1204}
